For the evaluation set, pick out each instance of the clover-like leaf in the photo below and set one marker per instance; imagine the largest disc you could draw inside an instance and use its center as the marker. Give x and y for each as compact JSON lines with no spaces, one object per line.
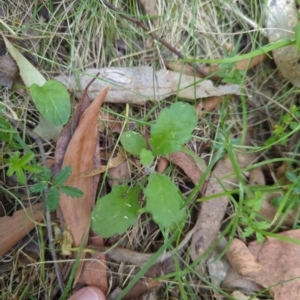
{"x":115,"y":212}
{"x":173,"y":128}
{"x":163,"y":200}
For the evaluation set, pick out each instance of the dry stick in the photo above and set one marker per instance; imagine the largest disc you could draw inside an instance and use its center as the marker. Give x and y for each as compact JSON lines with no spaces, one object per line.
{"x":198,"y":69}
{"x":136,"y":258}
{"x":38,"y":140}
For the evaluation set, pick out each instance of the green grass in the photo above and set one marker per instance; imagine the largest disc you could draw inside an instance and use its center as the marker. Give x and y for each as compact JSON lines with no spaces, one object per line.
{"x":85,"y":34}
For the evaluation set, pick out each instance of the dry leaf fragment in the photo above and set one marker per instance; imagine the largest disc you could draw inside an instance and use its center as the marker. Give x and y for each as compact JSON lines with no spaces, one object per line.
{"x":13,"y":229}
{"x":138,"y":85}
{"x":8,"y":71}
{"x":208,"y":105}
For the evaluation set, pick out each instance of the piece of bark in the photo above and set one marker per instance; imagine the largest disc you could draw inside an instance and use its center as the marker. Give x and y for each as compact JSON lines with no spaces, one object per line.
{"x":137,"y":85}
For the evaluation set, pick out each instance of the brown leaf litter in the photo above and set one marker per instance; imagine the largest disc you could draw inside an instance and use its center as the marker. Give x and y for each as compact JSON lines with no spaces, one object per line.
{"x":16,"y":227}
{"x":274,"y":265}
{"x":81,"y":152}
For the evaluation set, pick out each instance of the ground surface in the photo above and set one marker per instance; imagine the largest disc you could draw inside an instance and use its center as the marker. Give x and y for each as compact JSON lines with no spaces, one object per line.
{"x":63,"y":36}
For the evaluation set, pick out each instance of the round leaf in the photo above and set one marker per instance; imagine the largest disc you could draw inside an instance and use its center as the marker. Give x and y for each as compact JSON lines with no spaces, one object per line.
{"x":115,"y":212}
{"x":173,"y":128}
{"x":163,"y":200}
{"x":133,"y":142}
{"x":52,"y":101}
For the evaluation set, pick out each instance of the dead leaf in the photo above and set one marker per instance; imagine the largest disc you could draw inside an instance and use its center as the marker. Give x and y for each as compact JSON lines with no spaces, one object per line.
{"x":138,"y":85}
{"x":112,"y":163}
{"x":242,"y":259}
{"x":279,"y":261}
{"x":212,"y":211}
{"x":207,"y":105}
{"x":8,"y":71}
{"x":120,"y":174}
{"x":67,"y":132}
{"x":281,"y":18}
{"x":13,"y":229}
{"x":80,"y":155}
{"x":94,"y":270}
{"x":193,"y":169}
{"x":256,"y":177}
{"x":162,"y":165}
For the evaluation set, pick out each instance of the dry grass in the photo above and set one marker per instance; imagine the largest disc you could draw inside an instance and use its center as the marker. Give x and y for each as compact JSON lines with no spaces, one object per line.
{"x":75,"y":35}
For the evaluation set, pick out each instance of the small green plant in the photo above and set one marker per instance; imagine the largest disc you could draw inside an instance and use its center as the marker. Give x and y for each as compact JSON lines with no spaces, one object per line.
{"x":18,"y":165}
{"x":115,"y":212}
{"x":248,"y":217}
{"x":286,"y":124}
{"x":291,"y":200}
{"x":56,"y":184}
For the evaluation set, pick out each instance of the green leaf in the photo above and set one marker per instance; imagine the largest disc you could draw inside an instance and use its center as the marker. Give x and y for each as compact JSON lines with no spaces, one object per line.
{"x":71,"y":191}
{"x":39,"y":187}
{"x":294,"y":125}
{"x":47,"y":130}
{"x":291,"y":176}
{"x":28,"y":72}
{"x":53,"y":101}
{"x":115,"y":212}
{"x":297,"y":36}
{"x":133,"y":142}
{"x":173,"y":128}
{"x":13,"y":163}
{"x":248,"y":232}
{"x":53,"y":198}
{"x":46,"y":174}
{"x":62,"y":176}
{"x":34,"y":169}
{"x":260,"y":238}
{"x":146,"y":157}
{"x":163,"y":200}
{"x":26,"y":159}
{"x":21,"y":178}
